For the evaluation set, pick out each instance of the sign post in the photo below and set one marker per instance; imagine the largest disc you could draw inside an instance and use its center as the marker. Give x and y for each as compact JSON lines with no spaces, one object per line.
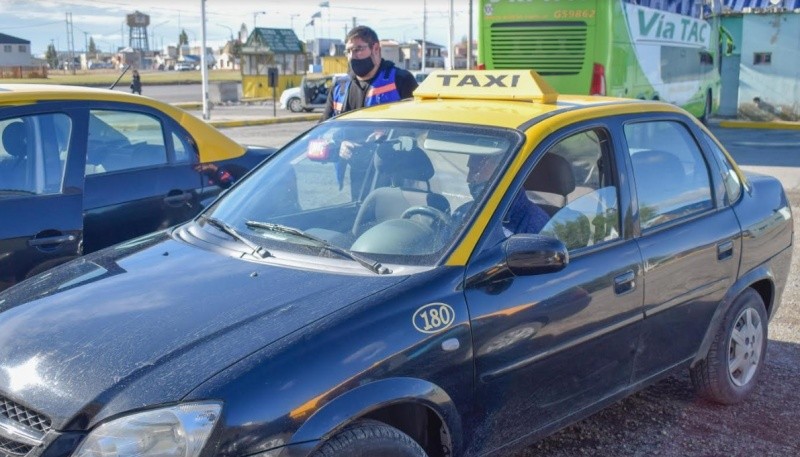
{"x":272,"y":81}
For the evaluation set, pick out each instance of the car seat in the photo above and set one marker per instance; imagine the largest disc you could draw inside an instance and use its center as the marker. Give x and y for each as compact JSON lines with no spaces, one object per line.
{"x":399,"y":174}
{"x":553,"y":174}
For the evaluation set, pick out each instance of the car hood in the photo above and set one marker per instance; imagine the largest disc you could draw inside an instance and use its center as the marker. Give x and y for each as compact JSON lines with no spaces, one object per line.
{"x":143,"y":323}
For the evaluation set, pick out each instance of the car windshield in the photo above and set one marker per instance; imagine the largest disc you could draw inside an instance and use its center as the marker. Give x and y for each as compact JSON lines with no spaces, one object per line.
{"x":391,"y":192}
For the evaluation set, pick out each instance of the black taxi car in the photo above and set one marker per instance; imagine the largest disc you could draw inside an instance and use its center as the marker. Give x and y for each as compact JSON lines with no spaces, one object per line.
{"x":82,"y":169}
{"x":454,"y":275}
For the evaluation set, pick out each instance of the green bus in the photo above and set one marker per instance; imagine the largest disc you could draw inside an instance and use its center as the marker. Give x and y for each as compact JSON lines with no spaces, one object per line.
{"x":647,"y":49}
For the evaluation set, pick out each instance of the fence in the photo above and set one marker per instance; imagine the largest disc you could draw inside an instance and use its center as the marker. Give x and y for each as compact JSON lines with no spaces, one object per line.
{"x":23,"y":72}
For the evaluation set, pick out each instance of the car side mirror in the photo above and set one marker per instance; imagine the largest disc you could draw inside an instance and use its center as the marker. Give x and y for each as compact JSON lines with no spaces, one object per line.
{"x":528,"y":254}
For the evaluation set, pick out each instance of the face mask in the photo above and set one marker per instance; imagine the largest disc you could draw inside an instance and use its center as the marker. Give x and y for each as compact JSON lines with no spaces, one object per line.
{"x":362,"y":67}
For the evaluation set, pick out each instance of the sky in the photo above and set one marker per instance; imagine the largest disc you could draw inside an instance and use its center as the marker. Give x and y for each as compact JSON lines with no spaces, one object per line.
{"x":45,"y":21}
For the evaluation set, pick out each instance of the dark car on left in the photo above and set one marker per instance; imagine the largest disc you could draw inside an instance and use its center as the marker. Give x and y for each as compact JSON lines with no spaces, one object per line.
{"x":82,"y":169}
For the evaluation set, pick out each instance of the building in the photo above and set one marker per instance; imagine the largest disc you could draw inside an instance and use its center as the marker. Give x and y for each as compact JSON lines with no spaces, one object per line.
{"x":15,"y":51}
{"x":435,"y":54}
{"x":761,"y":77}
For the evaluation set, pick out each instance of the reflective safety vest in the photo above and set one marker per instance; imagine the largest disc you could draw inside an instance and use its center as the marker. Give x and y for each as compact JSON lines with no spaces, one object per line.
{"x":382,"y":90}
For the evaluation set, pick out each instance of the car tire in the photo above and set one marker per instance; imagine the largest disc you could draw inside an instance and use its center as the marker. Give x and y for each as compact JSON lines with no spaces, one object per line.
{"x":706,"y":116}
{"x":294,"y":105}
{"x":370,"y":438}
{"x":735,"y":359}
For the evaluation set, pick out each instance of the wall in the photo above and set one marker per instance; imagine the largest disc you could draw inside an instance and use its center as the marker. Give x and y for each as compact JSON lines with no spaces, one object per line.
{"x":15,"y":57}
{"x":777,"y":84}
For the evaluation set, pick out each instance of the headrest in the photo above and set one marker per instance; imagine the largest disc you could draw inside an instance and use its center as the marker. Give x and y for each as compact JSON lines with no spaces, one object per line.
{"x":399,"y":164}
{"x":553,"y":174}
{"x":14,"y":139}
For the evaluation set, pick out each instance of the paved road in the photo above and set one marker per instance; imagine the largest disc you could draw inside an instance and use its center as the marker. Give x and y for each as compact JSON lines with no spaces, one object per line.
{"x":172,"y":93}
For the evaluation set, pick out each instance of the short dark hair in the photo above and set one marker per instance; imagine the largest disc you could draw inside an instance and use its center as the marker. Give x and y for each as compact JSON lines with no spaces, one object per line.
{"x":364,"y":33}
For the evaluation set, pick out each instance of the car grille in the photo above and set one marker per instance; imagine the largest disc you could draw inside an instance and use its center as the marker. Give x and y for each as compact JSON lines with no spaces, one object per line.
{"x":12,"y":447}
{"x":26,"y":421}
{"x":550,"y":48}
{"x":23,"y":415}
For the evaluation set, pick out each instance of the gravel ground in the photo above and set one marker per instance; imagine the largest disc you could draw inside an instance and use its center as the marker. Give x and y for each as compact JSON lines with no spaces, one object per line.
{"x":668,"y":419}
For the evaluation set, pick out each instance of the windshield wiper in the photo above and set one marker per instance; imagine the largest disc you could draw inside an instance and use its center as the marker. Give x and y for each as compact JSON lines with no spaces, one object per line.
{"x":258,"y":251}
{"x":373,"y":266}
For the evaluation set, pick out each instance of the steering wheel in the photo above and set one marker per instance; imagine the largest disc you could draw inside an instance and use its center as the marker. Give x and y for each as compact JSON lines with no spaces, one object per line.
{"x":436,"y":215}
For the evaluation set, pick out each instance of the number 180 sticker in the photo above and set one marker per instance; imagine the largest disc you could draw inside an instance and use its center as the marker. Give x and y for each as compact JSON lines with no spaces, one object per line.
{"x":433,"y":318}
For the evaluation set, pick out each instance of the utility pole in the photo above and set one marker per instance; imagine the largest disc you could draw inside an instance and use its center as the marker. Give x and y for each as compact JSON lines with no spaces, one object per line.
{"x":70,"y":44}
{"x":204,"y":60}
{"x":424,"y":32}
{"x":450,"y":56}
{"x":469,"y":39}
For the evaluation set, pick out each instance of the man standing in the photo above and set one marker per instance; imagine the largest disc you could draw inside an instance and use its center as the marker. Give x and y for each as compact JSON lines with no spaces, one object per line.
{"x":371,"y":81}
{"x":136,"y":83}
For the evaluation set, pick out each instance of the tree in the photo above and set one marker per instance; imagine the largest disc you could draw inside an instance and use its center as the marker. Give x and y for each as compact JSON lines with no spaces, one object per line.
{"x":183,"y":38}
{"x":92,"y":47}
{"x":51,"y":56}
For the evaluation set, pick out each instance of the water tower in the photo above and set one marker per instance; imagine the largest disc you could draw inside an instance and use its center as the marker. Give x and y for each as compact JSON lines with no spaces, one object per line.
{"x":137,"y":24}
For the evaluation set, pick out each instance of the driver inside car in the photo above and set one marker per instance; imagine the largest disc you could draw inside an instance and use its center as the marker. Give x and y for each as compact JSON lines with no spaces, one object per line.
{"x":524,"y":216}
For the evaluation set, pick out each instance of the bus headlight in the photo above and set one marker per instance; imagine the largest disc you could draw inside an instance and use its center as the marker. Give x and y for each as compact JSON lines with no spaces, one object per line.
{"x":175,"y":431}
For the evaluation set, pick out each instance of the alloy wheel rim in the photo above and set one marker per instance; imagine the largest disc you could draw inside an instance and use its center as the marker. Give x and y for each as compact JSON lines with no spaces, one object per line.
{"x":744,"y":347}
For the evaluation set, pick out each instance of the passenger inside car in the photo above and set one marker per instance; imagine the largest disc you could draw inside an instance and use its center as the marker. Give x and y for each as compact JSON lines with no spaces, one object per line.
{"x":13,"y":162}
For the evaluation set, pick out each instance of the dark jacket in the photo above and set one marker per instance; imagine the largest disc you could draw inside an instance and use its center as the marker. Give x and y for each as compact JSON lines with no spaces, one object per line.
{"x":405,"y":81}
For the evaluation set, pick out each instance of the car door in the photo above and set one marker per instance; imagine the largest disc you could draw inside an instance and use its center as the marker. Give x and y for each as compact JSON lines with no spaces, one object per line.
{"x":40,"y":201}
{"x":690,"y":241}
{"x":550,"y":345}
{"x":141,"y":176}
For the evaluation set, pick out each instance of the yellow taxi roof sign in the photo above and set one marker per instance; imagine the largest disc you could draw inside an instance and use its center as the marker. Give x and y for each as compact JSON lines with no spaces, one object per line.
{"x":486,"y":85}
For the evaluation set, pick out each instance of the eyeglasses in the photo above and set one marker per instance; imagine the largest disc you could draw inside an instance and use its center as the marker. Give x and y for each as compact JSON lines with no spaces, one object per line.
{"x":357,"y":49}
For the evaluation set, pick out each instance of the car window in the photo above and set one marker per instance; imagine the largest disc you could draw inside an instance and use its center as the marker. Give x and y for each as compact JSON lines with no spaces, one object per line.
{"x":183,"y":149}
{"x":574,"y":186}
{"x":123,"y":140}
{"x":670,"y":174}
{"x":396,"y":191}
{"x":33,"y":153}
{"x":733,"y":185}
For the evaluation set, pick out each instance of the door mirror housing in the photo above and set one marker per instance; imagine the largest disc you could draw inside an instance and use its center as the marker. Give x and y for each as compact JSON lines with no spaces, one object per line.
{"x":528,"y":254}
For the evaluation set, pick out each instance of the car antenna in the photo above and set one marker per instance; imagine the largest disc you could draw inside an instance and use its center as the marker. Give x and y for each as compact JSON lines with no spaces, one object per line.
{"x":120,"y":76}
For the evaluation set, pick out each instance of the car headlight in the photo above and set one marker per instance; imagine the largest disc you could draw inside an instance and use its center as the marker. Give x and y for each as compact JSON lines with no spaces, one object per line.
{"x":176,"y":431}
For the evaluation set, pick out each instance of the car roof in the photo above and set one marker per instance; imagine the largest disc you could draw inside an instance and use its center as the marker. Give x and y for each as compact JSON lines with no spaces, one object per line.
{"x":212,"y":144}
{"x":513,"y":97}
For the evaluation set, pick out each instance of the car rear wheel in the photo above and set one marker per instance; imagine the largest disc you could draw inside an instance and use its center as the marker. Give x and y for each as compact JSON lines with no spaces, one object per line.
{"x":294,"y":105}
{"x":370,"y":438}
{"x":706,"y":109}
{"x":735,"y":359}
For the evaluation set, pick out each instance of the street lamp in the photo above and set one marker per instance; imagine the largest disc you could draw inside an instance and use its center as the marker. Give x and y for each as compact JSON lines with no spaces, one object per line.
{"x":153,"y":31}
{"x":256,"y":13}
{"x":230,"y":29}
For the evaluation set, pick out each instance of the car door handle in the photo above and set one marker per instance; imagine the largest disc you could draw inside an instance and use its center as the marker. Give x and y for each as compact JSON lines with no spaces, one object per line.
{"x":178,"y":199}
{"x":51,"y":240}
{"x":625,"y":282}
{"x":725,"y":250}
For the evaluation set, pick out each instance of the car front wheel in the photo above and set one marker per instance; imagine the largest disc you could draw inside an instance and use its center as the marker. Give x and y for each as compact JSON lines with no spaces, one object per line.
{"x":735,"y":359}
{"x":370,"y":438}
{"x":294,"y":105}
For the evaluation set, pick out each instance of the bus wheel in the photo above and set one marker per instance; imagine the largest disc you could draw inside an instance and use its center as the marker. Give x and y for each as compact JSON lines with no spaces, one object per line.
{"x":706,"y":109}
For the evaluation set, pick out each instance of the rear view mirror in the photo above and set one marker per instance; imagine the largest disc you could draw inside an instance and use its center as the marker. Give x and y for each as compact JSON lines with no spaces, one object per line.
{"x":528,"y":254}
